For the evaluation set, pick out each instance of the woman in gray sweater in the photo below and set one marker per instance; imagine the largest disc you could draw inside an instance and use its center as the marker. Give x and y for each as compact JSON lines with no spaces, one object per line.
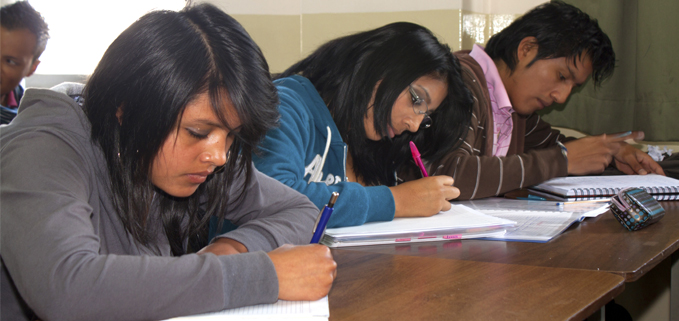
{"x":107,"y":190}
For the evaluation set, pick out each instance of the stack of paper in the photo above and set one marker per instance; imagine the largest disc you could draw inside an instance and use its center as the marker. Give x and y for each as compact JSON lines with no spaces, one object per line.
{"x":460,"y":222}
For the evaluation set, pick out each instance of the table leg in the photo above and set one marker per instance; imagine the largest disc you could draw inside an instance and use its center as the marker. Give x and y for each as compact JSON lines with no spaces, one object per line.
{"x":598,"y":315}
{"x":674,"y":287}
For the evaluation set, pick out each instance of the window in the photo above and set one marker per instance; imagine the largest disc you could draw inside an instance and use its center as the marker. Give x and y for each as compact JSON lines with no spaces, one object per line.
{"x":81,"y":30}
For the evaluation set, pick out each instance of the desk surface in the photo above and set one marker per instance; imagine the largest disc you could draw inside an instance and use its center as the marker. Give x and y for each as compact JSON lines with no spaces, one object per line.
{"x":373,"y":286}
{"x":599,"y":244}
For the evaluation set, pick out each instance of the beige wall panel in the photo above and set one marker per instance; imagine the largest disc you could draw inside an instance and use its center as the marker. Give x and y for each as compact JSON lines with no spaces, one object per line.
{"x":291,"y":7}
{"x":277,"y":36}
{"x":354,"y":6}
{"x":319,"y":28}
{"x":258,"y":7}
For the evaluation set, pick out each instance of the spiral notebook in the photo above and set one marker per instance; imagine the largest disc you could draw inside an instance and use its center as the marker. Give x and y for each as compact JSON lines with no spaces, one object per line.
{"x":576,"y":188}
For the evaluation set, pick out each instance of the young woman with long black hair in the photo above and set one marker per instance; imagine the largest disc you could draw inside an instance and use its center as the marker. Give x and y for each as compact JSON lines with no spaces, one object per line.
{"x":107,"y":191}
{"x":348,"y":113}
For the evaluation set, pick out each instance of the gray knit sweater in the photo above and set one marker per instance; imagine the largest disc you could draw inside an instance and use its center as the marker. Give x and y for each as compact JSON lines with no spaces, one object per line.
{"x":66,"y":256}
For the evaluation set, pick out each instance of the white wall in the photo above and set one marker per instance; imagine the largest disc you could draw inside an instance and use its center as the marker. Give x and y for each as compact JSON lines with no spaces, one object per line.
{"x":81,"y":30}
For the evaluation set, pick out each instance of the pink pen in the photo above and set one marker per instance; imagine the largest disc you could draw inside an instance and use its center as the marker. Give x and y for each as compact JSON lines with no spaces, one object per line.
{"x":418,"y":160}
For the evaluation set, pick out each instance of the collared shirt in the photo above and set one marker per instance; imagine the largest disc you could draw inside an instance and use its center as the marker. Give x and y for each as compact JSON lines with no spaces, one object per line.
{"x":7,"y":113}
{"x":11,"y":100}
{"x":499,"y":102}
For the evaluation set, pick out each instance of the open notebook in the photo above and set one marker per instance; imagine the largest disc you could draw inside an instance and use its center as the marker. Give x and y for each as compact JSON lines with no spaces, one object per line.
{"x":537,"y":221}
{"x":460,"y":222}
{"x":281,"y":310}
{"x":575,"y":188}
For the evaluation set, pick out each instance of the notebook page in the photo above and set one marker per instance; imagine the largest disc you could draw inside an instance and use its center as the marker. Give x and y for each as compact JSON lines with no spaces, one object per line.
{"x":535,"y":225}
{"x":537,"y":221}
{"x":458,"y":216}
{"x":280,"y":310}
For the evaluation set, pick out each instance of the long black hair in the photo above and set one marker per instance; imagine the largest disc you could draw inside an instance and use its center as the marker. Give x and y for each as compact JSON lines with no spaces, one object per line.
{"x":561,"y":30}
{"x":345,"y":71}
{"x":151,"y":72}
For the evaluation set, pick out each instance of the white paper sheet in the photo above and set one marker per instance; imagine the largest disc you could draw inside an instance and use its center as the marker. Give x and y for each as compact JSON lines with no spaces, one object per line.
{"x":281,"y":310}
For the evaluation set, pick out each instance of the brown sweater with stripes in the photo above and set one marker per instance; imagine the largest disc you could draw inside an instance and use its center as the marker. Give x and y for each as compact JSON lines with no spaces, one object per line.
{"x":532,"y":158}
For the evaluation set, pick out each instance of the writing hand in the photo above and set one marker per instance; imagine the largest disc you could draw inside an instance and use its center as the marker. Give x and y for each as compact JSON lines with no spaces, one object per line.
{"x":305,"y":272}
{"x":630,"y":160}
{"x":224,"y":246}
{"x":592,"y":154}
{"x":424,"y":197}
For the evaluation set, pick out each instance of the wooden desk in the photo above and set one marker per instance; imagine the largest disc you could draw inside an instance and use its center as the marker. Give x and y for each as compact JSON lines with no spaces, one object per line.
{"x":372,"y":286}
{"x":596,"y":244}
{"x":599,"y":244}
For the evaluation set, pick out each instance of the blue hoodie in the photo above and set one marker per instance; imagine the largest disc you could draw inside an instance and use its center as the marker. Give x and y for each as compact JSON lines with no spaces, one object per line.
{"x":295,"y":154}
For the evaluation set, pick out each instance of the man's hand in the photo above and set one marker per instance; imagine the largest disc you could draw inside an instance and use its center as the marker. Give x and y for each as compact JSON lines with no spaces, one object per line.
{"x":591,"y":155}
{"x":630,"y":160}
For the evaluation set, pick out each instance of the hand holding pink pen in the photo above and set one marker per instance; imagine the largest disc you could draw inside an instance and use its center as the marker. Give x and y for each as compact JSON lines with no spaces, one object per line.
{"x":418,"y":159}
{"x":425,"y":196}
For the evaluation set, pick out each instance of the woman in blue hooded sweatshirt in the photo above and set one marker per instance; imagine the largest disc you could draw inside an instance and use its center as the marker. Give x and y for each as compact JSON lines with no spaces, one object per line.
{"x":348,"y":112}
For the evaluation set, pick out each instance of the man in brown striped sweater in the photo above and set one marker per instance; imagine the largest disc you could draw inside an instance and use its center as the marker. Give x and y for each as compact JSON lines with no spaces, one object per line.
{"x":534,"y":62}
